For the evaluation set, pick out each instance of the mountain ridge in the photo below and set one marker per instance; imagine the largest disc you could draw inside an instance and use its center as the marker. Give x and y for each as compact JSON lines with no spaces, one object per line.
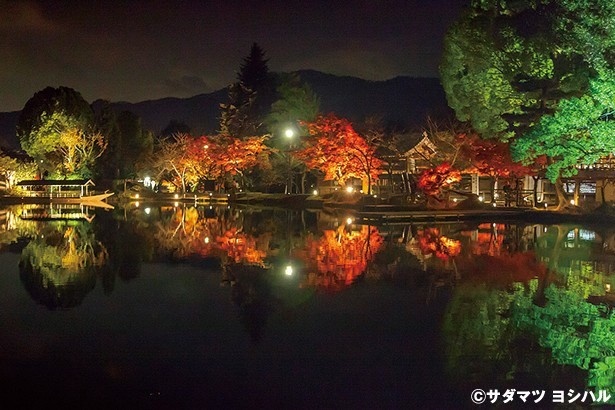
{"x":402,"y":102}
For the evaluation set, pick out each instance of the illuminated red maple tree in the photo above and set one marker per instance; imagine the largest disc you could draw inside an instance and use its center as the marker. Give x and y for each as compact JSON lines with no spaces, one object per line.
{"x":337,"y":150}
{"x":491,"y":158}
{"x":436,"y":182}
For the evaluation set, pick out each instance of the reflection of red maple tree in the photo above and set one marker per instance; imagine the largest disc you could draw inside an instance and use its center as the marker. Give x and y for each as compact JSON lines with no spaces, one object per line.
{"x":431,"y":242}
{"x":339,"y":257}
{"x":241,"y":247}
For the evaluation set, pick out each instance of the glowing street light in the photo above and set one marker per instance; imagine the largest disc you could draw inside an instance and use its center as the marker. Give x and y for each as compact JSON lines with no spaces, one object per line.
{"x":288,"y":271}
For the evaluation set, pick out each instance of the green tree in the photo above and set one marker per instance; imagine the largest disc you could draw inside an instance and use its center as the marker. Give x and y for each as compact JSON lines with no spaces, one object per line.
{"x":137,"y":144}
{"x":508,"y":64}
{"x":579,"y":132}
{"x":43,"y":104}
{"x":249,"y":98}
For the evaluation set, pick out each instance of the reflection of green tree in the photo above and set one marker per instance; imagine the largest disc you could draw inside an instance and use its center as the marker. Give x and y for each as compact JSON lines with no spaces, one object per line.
{"x":251,"y":292}
{"x":577,"y":332}
{"x":58,"y":266}
{"x":506,"y":336}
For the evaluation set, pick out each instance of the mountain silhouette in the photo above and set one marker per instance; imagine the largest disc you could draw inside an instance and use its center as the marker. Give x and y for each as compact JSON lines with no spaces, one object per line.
{"x":401,"y":102}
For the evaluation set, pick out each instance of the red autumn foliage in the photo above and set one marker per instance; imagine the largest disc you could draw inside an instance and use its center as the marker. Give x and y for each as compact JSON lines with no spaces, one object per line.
{"x":431,"y":242}
{"x":336,"y":149}
{"x":336,"y":259}
{"x":433,"y":182}
{"x":491,"y":158}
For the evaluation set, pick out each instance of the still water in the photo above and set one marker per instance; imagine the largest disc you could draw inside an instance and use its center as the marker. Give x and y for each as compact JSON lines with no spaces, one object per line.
{"x":183,"y":307}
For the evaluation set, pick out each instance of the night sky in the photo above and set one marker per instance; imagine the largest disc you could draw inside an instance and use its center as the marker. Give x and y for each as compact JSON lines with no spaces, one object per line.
{"x":140,"y":50}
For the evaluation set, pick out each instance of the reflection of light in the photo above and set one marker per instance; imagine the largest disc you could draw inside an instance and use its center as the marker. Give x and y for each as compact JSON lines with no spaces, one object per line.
{"x":148,"y":210}
{"x":349,"y":189}
{"x":137,"y":196}
{"x":176,"y":196}
{"x":349,"y":221}
{"x":288,"y":271}
{"x":137,"y":204}
{"x":206,"y":240}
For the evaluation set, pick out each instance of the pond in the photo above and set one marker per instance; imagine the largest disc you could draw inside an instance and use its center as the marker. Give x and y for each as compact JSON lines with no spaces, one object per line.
{"x":166,"y":306}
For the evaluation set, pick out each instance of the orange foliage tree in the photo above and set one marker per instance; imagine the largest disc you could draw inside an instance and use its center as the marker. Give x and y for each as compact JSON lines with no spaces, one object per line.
{"x":338,"y":151}
{"x":188,"y":159}
{"x":436,"y":182}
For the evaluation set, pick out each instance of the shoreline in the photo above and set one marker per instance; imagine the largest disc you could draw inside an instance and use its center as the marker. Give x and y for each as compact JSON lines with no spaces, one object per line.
{"x":363,"y":213}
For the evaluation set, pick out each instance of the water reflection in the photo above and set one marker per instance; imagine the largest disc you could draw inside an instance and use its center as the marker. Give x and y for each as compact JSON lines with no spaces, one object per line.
{"x":525,"y":306}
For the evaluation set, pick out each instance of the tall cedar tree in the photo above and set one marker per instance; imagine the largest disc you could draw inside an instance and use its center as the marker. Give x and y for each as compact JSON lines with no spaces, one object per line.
{"x":250,"y":98}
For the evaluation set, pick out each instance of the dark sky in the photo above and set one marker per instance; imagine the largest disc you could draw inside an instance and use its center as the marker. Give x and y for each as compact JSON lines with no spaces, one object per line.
{"x":139,"y":50}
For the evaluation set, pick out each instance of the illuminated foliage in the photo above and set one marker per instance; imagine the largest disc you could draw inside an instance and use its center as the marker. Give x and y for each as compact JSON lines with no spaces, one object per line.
{"x":337,"y":258}
{"x":57,"y":267}
{"x":580,"y":131}
{"x":338,"y":151}
{"x":431,"y":242}
{"x":435,"y":182}
{"x":188,"y":159}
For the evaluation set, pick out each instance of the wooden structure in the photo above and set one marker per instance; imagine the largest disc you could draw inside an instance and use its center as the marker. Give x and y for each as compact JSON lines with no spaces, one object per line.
{"x":53,"y":188}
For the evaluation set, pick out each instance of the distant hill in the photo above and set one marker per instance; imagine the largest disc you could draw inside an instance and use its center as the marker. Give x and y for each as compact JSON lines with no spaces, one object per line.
{"x":403,"y":102}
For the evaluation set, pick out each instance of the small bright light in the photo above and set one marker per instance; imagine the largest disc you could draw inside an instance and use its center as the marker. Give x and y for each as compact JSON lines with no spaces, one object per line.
{"x":375,"y":196}
{"x":206,"y":240}
{"x":545,"y":204}
{"x":572,"y":202}
{"x":480,"y":198}
{"x":494,"y":204}
{"x":137,"y":204}
{"x":211,"y":207}
{"x":289,"y":133}
{"x":147,"y":181}
{"x":288,"y":271}
{"x":495,"y":195}
{"x":315,"y":192}
{"x":349,"y":189}
{"x":607,"y":287}
{"x":137,"y":196}
{"x":148,"y":210}
{"x":454,"y":199}
{"x":175,"y":204}
{"x":176,"y":196}
{"x":348,"y":221}
{"x":205,"y":146}
{"x":211,"y":194}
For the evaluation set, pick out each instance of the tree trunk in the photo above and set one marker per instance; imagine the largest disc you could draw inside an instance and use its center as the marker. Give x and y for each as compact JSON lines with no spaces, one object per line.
{"x":535,"y":190}
{"x":494,"y":181}
{"x":561,"y":196}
